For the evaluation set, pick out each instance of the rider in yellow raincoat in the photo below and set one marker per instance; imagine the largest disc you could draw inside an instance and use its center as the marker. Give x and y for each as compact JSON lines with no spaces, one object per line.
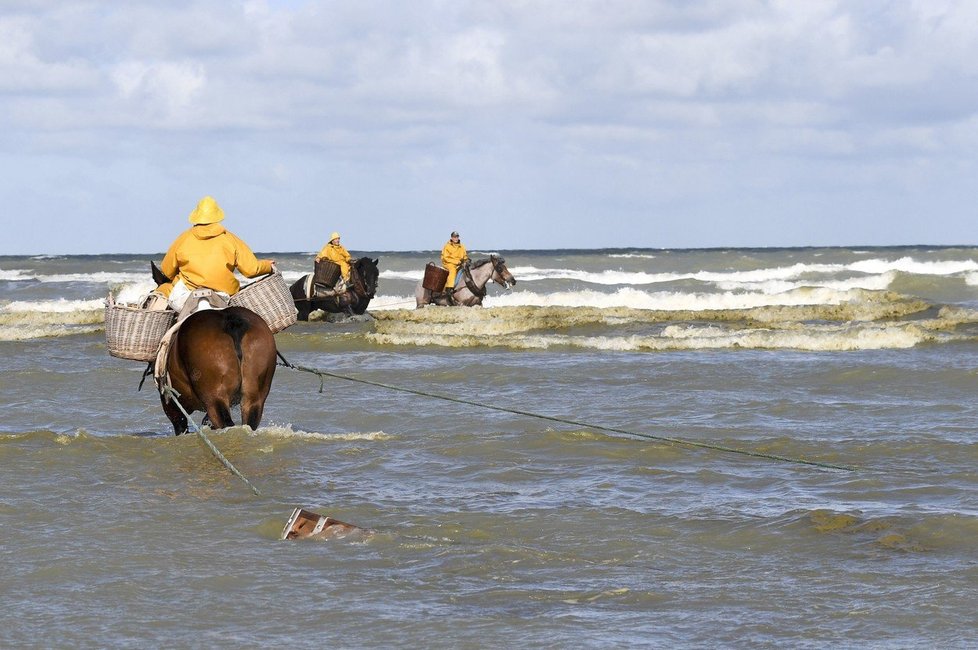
{"x":453,"y":255}
{"x":206,"y":255}
{"x":335,"y":252}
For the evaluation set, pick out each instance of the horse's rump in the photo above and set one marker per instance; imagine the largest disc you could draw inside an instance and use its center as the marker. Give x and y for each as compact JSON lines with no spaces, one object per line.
{"x":222,"y":357}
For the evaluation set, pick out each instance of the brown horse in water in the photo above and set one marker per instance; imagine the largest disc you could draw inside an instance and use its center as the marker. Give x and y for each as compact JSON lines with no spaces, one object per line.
{"x":220,"y":358}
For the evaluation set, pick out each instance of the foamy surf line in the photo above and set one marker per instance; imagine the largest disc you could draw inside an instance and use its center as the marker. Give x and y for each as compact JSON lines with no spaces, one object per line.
{"x":287,"y":432}
{"x":867,"y":273}
{"x":99,"y":277}
{"x":668,"y":301}
{"x":59,"y":306}
{"x":660,"y":301}
{"x":22,"y":320}
{"x":22,"y":332}
{"x":688,"y":338}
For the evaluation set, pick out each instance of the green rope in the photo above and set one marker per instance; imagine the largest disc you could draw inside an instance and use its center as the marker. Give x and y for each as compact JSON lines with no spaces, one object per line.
{"x":169,"y":391}
{"x":586,"y":425}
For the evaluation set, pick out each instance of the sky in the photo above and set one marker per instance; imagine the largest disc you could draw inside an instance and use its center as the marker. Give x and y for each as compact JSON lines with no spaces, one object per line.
{"x":523,"y":124}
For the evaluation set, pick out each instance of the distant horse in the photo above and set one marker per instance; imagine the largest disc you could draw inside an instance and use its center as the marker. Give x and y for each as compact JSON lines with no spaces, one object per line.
{"x":360,"y":290}
{"x":469,"y":294}
{"x":217,"y":359}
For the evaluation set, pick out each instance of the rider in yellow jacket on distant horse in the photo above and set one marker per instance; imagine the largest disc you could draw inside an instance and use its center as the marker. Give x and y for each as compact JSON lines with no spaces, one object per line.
{"x":453,"y":255}
{"x":335,"y":252}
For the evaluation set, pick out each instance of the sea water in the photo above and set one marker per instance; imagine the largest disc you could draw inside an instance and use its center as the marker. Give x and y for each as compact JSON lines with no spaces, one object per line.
{"x":490,"y":527}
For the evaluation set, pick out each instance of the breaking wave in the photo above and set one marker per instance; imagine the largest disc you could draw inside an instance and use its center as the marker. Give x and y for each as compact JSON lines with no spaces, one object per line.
{"x":809,"y":306}
{"x":868,"y":274}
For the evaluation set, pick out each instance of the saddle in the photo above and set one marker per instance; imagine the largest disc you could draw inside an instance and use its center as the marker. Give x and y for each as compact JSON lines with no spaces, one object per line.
{"x":199,"y":300}
{"x":464,"y":277}
{"x":318,"y":291}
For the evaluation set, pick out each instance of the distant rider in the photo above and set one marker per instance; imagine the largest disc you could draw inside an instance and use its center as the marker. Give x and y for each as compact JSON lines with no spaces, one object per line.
{"x":205,"y":256}
{"x":453,"y":255}
{"x":335,"y":252}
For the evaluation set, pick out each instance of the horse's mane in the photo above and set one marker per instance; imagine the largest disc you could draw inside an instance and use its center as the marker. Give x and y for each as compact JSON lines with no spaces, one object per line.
{"x":484,"y":261}
{"x":364,"y":263}
{"x":367,"y":268}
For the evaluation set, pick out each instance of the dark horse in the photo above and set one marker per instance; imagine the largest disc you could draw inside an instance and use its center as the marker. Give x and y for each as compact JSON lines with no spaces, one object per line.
{"x":360,"y":290}
{"x":220,"y":358}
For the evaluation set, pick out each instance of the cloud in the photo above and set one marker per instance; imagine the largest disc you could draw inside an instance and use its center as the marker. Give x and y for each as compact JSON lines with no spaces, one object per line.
{"x":22,"y":71}
{"x":494,"y":106}
{"x":162,"y":90}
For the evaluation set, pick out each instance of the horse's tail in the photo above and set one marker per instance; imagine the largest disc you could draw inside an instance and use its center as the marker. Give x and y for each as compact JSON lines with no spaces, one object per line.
{"x":236,"y":327}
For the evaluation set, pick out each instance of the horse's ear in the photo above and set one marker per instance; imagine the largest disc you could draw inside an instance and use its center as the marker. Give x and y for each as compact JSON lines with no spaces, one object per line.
{"x":376,"y":260}
{"x":158,"y":276}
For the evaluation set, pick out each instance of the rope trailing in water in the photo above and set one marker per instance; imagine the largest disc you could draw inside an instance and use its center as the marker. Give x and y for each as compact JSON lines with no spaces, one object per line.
{"x":174,"y":395}
{"x":586,"y":425}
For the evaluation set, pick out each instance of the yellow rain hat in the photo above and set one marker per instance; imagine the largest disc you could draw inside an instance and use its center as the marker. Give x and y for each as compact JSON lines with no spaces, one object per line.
{"x":335,"y":235}
{"x":207,"y":211}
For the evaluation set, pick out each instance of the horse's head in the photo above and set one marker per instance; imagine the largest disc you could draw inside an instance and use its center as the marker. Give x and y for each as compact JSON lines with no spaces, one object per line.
{"x":500,"y":274}
{"x":366,"y":271}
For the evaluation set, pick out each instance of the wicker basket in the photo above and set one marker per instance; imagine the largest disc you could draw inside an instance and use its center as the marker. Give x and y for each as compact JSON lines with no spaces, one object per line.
{"x":270,"y":298}
{"x":326,"y":273}
{"x":435,"y":277}
{"x":134,"y":333}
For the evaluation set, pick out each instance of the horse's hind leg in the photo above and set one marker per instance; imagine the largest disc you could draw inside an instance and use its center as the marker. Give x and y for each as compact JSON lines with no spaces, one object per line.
{"x":251,"y":413}
{"x":254,"y":392}
{"x":219,"y":413}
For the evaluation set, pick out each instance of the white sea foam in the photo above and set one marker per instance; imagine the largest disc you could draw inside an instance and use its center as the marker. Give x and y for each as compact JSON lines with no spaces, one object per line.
{"x":766,"y":295}
{"x":134,"y":292}
{"x":99,"y":277}
{"x":607,"y":277}
{"x":414,"y":276}
{"x":671,"y":301}
{"x":288,"y":432}
{"x":692,"y":337}
{"x":27,"y":332}
{"x":878,"y":268}
{"x":59,"y":306}
{"x":910,"y":265}
{"x":384,"y":303}
{"x":16,"y":275}
{"x":867,"y":282}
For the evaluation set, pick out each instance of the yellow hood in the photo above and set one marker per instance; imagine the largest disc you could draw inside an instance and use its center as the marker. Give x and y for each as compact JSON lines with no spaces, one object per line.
{"x":208,"y":230}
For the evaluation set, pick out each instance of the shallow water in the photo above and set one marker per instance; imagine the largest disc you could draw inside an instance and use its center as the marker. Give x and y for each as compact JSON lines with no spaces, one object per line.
{"x":493,"y":528}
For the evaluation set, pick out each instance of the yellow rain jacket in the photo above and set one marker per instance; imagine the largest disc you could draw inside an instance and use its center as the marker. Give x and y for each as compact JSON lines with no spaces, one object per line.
{"x":452,"y":256}
{"x":336,"y":253}
{"x":206,"y":256}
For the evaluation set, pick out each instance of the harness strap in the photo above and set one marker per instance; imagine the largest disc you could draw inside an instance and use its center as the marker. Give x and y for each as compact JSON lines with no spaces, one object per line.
{"x":470,"y":283}
{"x":357,"y":280}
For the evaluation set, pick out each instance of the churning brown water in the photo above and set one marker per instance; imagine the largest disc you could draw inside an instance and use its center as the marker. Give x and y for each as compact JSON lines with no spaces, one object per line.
{"x":496,"y":529}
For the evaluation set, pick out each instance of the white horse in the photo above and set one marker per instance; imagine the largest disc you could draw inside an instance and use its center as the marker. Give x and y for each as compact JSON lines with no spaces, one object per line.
{"x":473,"y":288}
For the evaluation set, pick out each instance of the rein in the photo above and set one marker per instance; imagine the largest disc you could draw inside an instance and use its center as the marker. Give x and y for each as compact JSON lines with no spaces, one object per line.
{"x":359,"y":287}
{"x":171,"y":393}
{"x":322,"y":374}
